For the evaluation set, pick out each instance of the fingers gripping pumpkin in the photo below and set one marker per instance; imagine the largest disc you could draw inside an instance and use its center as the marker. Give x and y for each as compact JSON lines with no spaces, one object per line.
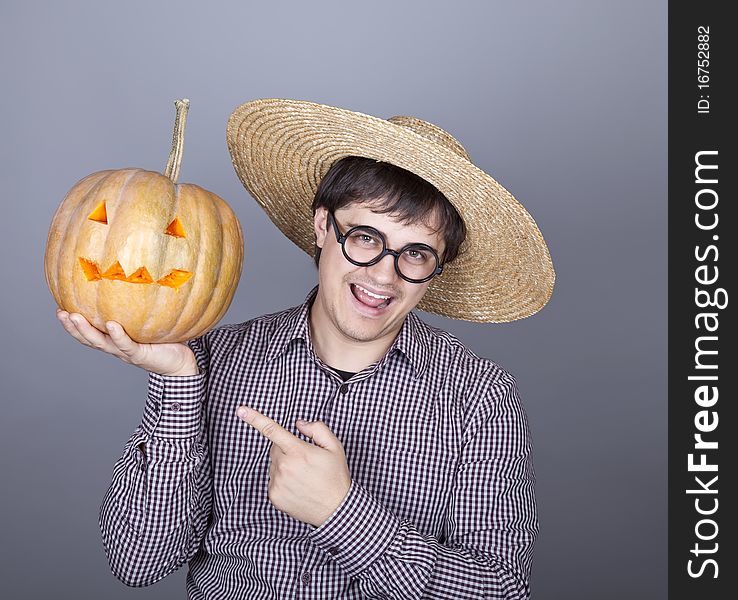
{"x":133,"y":246}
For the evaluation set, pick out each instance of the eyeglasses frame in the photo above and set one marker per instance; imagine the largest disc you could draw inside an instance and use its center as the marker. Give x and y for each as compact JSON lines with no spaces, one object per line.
{"x":342,"y":237}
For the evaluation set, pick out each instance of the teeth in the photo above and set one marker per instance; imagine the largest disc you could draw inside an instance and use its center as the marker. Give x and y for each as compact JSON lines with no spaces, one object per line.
{"x":368,"y":293}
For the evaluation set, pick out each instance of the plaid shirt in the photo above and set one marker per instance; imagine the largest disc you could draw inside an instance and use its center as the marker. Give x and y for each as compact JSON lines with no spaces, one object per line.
{"x":442,"y":500}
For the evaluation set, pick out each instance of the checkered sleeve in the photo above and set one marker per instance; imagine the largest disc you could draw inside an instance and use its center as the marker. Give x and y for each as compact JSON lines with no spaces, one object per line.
{"x":491,"y":523}
{"x":156,"y":510}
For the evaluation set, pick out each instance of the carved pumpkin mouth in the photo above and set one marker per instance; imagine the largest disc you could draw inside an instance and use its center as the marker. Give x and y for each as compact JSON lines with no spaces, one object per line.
{"x":173,"y":279}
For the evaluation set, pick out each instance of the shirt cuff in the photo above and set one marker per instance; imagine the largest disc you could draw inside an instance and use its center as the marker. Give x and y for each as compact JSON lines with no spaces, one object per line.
{"x":358,"y":533}
{"x":174,"y":406}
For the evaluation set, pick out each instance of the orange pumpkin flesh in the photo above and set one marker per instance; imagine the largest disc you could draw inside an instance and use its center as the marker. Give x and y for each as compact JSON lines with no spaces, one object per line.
{"x":163,"y":259}
{"x":175,"y":228}
{"x":175,"y":278}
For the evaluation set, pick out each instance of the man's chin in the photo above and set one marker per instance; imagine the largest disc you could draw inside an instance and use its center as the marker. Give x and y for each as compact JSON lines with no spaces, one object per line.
{"x":359,"y":333}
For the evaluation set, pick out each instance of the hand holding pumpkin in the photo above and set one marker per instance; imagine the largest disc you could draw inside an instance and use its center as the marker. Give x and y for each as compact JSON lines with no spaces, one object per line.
{"x":165,"y":359}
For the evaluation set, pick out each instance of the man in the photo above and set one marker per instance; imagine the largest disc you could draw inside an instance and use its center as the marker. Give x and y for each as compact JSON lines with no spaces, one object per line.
{"x":343,"y":448}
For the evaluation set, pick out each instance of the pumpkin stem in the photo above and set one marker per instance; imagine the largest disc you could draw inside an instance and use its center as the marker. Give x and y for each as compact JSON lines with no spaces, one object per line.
{"x":175,"y":156}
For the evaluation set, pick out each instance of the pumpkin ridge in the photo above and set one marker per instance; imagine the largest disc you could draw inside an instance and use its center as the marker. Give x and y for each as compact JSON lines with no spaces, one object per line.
{"x":218,"y":290}
{"x":222,"y":209}
{"x":98,"y":296}
{"x":200,"y":208}
{"x":55,"y":243}
{"x":75,"y":218}
{"x":162,"y":295}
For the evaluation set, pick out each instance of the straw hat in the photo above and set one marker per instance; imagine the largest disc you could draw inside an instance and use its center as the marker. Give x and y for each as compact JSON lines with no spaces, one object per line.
{"x":282,"y":148}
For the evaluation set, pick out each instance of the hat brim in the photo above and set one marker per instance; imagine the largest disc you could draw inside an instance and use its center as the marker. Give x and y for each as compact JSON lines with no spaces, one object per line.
{"x":281,"y":149}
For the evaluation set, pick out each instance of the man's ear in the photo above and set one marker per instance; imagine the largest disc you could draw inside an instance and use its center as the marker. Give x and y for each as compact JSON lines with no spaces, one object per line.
{"x":320,"y":222}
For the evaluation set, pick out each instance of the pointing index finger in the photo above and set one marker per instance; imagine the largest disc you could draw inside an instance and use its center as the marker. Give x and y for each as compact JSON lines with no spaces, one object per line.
{"x":269,"y":428}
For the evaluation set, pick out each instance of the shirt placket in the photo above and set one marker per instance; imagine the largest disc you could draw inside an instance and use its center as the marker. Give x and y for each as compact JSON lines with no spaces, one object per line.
{"x":335,"y":412}
{"x":309,"y":583}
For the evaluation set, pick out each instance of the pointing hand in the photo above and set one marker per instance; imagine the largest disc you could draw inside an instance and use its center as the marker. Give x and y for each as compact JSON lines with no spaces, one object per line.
{"x":306,"y":481}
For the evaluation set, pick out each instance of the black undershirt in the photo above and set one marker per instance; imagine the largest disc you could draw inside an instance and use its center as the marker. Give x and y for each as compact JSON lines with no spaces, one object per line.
{"x":345,"y":375}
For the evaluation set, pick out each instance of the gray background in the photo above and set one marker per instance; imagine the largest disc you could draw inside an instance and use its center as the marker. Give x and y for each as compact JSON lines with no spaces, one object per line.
{"x":563,"y":102}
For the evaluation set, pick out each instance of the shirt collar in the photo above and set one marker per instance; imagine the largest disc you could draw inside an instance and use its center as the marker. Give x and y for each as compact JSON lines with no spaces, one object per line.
{"x":413,"y":340}
{"x":295,"y":326}
{"x":414,"y":343}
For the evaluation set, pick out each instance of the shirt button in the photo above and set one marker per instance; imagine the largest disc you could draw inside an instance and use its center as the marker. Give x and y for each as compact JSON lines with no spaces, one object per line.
{"x":333,"y":550}
{"x":175,"y":406}
{"x":306,"y":578}
{"x":344,"y":388}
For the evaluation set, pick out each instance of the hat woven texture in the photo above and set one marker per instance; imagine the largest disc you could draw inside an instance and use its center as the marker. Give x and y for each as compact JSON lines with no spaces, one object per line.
{"x":282,"y":148}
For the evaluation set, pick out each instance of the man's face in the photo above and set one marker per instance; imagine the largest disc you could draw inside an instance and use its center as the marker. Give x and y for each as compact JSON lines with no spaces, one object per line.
{"x":339,"y":296}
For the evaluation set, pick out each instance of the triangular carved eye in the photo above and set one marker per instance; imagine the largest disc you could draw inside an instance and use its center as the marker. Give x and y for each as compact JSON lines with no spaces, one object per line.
{"x":175,"y":228}
{"x":100,"y":214}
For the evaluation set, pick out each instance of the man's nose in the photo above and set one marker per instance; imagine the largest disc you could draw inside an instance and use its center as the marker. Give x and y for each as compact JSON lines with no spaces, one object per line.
{"x":384,"y":270}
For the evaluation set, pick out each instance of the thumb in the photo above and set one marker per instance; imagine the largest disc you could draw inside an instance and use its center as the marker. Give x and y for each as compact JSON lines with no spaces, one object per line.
{"x":320,"y":434}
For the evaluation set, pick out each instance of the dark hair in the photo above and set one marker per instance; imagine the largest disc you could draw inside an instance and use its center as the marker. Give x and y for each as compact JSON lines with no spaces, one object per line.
{"x":402,"y":194}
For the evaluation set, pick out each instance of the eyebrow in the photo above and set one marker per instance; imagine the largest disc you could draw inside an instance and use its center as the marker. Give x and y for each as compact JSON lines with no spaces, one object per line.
{"x":351,"y":225}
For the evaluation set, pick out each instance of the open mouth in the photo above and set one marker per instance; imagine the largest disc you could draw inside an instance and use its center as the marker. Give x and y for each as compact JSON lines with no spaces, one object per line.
{"x":368,"y":299}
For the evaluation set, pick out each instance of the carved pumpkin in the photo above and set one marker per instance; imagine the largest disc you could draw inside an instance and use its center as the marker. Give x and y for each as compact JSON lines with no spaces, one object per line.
{"x":163,"y":259}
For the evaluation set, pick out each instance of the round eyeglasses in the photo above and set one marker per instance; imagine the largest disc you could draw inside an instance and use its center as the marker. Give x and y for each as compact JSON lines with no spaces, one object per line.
{"x":364,"y":246}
